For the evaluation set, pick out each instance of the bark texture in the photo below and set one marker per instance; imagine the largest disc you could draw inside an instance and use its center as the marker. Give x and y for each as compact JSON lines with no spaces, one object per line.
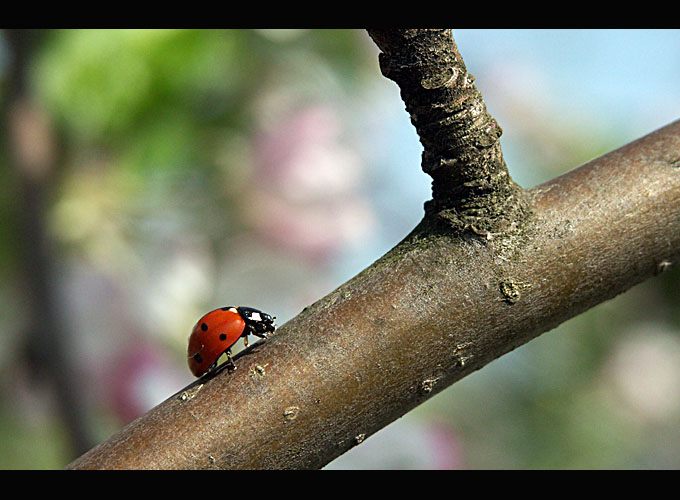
{"x":471,"y":186}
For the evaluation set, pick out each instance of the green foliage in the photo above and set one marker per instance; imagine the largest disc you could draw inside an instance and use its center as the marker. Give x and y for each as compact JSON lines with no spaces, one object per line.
{"x":39,"y":443}
{"x":102,"y":83}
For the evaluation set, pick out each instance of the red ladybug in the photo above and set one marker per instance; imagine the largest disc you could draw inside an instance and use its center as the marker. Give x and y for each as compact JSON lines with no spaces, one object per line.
{"x":216,"y":332}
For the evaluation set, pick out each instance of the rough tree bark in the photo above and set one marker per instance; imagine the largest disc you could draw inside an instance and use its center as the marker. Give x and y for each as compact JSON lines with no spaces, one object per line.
{"x":490,"y":267}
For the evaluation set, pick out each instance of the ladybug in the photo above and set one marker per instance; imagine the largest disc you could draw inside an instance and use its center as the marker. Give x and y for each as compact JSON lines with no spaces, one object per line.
{"x":217,"y":331}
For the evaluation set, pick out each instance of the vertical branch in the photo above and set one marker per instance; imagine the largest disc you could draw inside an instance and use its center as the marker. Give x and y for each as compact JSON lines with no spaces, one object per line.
{"x":471,"y":186}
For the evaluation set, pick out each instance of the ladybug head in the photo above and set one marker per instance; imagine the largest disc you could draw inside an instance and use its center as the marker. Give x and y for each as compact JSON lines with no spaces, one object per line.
{"x":259,"y":321}
{"x":266,"y":324}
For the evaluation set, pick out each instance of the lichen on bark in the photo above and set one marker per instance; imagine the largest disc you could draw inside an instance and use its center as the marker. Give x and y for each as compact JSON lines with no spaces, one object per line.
{"x":471,"y":186}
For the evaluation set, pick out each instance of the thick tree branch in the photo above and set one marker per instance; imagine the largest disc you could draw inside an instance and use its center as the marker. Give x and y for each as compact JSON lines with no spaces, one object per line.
{"x":440,"y":305}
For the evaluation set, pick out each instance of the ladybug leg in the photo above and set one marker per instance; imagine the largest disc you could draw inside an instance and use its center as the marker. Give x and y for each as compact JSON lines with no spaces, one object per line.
{"x":246,"y":331}
{"x":211,"y":368}
{"x":232,"y":366}
{"x":249,"y":330}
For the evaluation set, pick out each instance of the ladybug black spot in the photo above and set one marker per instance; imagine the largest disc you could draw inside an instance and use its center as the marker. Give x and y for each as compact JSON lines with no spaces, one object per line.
{"x":198,"y":358}
{"x":223,"y":336}
{"x":204,"y":327}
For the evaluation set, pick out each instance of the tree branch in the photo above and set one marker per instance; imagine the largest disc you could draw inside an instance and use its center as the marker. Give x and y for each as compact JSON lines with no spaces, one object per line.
{"x":471,"y":186}
{"x":440,"y":305}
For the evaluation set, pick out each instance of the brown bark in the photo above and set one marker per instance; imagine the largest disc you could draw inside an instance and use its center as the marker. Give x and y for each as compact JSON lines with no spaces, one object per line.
{"x":471,"y":185}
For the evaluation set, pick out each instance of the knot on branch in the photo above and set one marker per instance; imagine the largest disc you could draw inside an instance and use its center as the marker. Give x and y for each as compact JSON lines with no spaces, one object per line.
{"x":461,"y":140}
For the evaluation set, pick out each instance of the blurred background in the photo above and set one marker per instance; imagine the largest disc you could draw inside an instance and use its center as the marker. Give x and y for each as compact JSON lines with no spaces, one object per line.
{"x":149,"y":176}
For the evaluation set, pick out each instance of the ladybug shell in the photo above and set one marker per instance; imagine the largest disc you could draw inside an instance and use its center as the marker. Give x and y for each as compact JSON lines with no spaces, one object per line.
{"x":213,"y":334}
